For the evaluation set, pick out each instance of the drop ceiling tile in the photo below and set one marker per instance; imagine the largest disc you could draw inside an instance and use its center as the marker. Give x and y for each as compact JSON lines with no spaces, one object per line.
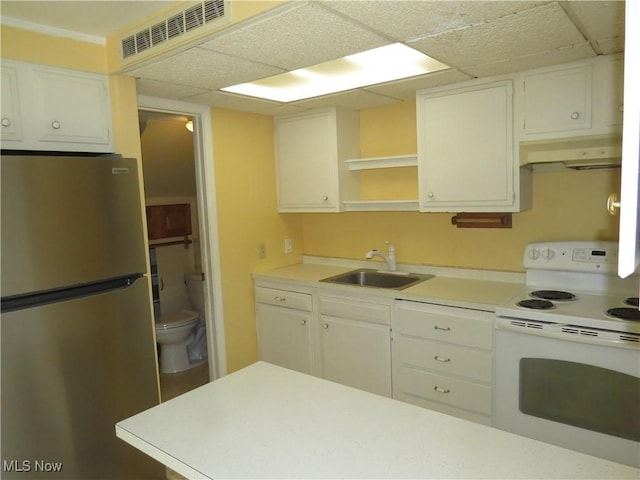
{"x":609,"y":46}
{"x":295,"y":36}
{"x":406,"y":89}
{"x":532,"y":31}
{"x":155,"y":88}
{"x":355,"y":99}
{"x":201,"y":68}
{"x":553,"y":57}
{"x":602,"y":20}
{"x":406,"y":20}
{"x":244,"y":104}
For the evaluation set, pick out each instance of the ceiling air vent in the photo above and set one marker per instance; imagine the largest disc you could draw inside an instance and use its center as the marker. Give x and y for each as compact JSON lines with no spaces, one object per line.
{"x":209,"y":13}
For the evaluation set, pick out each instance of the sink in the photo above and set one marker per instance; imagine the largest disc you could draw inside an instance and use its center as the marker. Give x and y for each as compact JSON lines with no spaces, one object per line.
{"x":365,"y":277}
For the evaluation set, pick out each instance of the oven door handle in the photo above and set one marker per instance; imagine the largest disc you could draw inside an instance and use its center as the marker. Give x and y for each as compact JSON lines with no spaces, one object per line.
{"x":569,"y":333}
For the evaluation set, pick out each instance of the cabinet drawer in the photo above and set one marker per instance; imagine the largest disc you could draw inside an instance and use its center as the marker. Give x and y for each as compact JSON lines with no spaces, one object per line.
{"x":344,"y":308}
{"x":444,"y":358}
{"x":284,"y":298}
{"x":448,"y":324}
{"x":438,"y":388}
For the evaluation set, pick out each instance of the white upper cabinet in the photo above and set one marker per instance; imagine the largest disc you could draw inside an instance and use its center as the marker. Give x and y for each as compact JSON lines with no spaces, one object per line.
{"x":577,"y":99}
{"x":557,"y":101}
{"x":11,"y":117}
{"x":311,"y":150}
{"x":55,"y":109}
{"x":466,"y":160}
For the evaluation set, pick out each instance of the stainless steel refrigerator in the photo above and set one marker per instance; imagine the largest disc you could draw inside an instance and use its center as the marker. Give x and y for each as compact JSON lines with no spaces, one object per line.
{"x":77,"y":345}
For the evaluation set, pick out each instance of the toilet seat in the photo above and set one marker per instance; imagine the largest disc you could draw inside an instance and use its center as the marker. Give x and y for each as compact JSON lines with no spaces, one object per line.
{"x":176,"y":319}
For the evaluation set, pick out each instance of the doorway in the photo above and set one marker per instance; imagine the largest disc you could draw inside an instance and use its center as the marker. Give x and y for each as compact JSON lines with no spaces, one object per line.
{"x":191,"y":182}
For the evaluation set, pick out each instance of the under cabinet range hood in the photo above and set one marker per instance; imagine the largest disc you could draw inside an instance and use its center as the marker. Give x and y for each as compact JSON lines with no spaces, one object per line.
{"x":580,"y":153}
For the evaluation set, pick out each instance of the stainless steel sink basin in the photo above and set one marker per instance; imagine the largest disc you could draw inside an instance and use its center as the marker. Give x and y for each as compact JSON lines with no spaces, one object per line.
{"x":365,"y":277}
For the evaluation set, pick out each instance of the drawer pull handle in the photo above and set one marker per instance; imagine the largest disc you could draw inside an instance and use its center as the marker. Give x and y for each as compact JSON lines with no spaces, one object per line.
{"x":441,"y":359}
{"x":445,"y":329}
{"x":279,"y":299}
{"x":6,"y":122}
{"x":55,"y":125}
{"x":325,"y":326}
{"x":303,"y":322}
{"x":441,"y":390}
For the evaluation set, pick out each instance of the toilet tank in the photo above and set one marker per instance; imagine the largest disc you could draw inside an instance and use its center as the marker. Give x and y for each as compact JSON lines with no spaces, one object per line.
{"x":195,"y":290}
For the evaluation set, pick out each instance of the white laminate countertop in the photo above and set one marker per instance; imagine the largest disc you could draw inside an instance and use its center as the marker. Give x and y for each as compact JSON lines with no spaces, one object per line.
{"x":477,"y":293}
{"x":269,"y":422}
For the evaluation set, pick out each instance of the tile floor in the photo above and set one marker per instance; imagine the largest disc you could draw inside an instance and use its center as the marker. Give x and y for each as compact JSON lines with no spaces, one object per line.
{"x":172,"y":385}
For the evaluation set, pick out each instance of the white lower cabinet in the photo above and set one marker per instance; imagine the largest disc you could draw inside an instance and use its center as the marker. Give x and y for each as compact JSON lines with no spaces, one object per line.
{"x":443,"y":359}
{"x":355,"y":343}
{"x":284,"y":323}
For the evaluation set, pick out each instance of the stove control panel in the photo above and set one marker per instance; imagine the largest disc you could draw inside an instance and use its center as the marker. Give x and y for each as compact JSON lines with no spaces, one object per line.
{"x":597,"y":257}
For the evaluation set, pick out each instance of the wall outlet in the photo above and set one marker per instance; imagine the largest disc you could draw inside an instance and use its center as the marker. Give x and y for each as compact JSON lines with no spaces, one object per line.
{"x":288,"y":245}
{"x":262,"y":251}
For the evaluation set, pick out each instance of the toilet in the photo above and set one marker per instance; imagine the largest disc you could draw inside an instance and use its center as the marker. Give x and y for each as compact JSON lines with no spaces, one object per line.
{"x":182,"y":334}
{"x":174,"y":332}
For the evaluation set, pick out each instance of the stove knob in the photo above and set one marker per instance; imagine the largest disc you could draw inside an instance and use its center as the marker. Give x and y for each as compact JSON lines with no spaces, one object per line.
{"x":533,"y":254}
{"x":548,"y":254}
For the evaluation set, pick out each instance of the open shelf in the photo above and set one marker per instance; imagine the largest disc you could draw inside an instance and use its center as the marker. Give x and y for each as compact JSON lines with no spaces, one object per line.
{"x":382,"y":162}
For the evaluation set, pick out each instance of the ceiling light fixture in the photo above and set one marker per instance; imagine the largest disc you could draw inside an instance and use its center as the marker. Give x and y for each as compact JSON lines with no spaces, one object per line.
{"x":189,"y":125}
{"x":379,"y":65}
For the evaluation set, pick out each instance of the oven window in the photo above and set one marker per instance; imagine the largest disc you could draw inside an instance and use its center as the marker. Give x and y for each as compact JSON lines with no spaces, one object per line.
{"x":581,"y":395}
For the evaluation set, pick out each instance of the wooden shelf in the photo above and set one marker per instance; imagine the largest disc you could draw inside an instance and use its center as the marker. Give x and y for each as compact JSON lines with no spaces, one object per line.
{"x":382,"y":162}
{"x":380,"y":205}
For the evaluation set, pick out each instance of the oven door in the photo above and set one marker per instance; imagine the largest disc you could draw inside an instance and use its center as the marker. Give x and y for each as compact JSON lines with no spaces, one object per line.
{"x":574,"y":390}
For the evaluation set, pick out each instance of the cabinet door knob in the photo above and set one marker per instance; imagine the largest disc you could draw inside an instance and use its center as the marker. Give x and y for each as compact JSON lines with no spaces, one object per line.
{"x":325,"y":325}
{"x":575,"y":116}
{"x":325,"y":198}
{"x":303,"y":322}
{"x":621,"y":108}
{"x":441,"y":390}
{"x":613,"y":203}
{"x":55,"y":125}
{"x":430,"y":195}
{"x":6,"y":122}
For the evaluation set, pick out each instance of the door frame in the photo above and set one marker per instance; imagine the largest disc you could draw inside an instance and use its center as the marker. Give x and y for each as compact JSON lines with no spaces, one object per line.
{"x":208,"y":221}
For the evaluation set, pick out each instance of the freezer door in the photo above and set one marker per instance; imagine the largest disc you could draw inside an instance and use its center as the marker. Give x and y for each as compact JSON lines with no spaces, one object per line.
{"x":70,"y":372}
{"x":69,"y":221}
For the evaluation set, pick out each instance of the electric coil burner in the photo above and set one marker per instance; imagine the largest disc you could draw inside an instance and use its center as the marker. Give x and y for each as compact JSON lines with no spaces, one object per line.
{"x":535,"y":304}
{"x":624,"y":313}
{"x":553,"y":295}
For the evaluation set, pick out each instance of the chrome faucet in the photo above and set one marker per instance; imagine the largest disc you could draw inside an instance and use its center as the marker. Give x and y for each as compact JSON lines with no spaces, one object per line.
{"x":390,"y":258}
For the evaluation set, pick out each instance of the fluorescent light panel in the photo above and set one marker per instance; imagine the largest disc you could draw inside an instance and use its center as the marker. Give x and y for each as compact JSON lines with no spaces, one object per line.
{"x":379,"y":65}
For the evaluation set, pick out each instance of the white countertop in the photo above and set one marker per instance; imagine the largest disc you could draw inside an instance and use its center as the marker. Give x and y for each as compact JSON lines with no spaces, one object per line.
{"x":269,"y":422}
{"x":475,"y":292}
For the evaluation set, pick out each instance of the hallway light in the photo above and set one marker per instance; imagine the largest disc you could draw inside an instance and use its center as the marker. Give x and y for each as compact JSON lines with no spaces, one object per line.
{"x":189,"y":125}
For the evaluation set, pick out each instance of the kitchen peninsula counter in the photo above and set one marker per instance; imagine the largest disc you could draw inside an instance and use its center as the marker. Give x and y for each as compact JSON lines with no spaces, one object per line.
{"x":269,"y":422}
{"x":482,"y":290}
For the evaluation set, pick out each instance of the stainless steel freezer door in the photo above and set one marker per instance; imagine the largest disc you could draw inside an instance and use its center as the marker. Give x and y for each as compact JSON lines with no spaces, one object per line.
{"x":68,"y":221}
{"x":70,"y":372}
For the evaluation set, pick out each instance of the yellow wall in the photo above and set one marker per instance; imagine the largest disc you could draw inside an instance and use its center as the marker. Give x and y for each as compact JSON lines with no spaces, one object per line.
{"x":566,"y":206}
{"x":247,"y":216}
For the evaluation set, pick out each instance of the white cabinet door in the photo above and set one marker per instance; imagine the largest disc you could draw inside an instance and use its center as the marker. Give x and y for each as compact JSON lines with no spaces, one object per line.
{"x":11,"y":116}
{"x":284,"y":337}
{"x":310,"y":153}
{"x":357,"y":354}
{"x":630,"y":194}
{"x":558,"y":102}
{"x":71,"y":107}
{"x":465,"y":149}
{"x":55,"y":109}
